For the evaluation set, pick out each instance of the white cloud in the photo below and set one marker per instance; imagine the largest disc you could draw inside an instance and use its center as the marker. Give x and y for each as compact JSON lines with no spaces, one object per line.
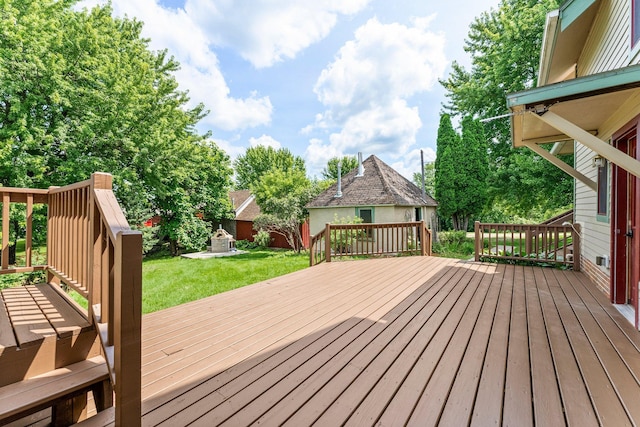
{"x":265,"y":141}
{"x":272,"y":30}
{"x":178,"y":32}
{"x":233,"y":151}
{"x":410,"y":162}
{"x":367,"y":91}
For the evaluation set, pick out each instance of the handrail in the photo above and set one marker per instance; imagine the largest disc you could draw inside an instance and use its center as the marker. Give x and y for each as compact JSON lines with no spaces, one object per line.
{"x":378,"y":239}
{"x":91,"y":249}
{"x":532,"y":243}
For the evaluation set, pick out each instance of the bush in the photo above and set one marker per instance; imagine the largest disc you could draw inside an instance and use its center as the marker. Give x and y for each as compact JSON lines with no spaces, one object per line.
{"x":262,"y":239}
{"x":192,"y":234}
{"x":452,"y":238}
{"x":454,"y":244}
{"x":342,"y":240}
{"x":245,"y":244}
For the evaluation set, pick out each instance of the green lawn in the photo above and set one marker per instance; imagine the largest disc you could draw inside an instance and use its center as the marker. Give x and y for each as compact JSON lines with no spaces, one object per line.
{"x":171,"y":281}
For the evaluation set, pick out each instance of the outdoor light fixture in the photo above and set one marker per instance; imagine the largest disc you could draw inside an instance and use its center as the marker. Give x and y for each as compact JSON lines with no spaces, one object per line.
{"x":598,"y":161}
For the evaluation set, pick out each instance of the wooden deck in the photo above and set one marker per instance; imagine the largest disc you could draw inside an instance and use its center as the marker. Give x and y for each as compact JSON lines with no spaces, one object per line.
{"x":415,"y":340}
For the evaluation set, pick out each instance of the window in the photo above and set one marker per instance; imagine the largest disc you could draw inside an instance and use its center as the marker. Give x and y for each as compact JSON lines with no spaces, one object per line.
{"x":366,"y":214}
{"x":603,"y":188}
{"x":635,"y":22}
{"x":418,"y":214}
{"x":367,"y":218}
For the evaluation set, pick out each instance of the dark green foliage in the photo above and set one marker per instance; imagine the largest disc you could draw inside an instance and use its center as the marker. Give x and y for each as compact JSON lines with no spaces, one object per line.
{"x":461,"y":171}
{"x":505,"y":48}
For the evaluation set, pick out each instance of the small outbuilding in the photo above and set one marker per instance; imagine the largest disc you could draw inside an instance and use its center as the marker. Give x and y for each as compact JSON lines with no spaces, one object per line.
{"x":375,"y":192}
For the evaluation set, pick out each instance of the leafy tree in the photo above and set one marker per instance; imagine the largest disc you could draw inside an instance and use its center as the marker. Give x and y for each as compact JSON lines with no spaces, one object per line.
{"x":331,"y":171}
{"x":80,"y":92}
{"x":429,"y":178}
{"x":258,"y":160}
{"x":505,"y":46}
{"x":282,"y":196}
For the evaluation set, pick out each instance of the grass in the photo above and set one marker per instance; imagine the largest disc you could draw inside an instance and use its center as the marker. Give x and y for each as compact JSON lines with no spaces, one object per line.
{"x":171,"y":281}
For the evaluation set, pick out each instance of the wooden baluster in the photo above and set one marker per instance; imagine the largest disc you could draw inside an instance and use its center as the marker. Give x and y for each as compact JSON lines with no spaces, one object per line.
{"x":6,"y":201}
{"x":29,"y":235}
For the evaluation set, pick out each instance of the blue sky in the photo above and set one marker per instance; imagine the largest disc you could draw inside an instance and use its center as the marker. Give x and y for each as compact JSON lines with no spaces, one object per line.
{"x":320,"y":77}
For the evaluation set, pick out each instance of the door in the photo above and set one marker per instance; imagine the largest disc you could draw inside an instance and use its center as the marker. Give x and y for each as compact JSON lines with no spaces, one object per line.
{"x":625,"y":227}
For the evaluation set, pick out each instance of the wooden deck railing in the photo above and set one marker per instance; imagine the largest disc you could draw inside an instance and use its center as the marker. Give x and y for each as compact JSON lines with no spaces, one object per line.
{"x":28,"y":197}
{"x":348,"y":240}
{"x":536,"y":243}
{"x":91,"y":248}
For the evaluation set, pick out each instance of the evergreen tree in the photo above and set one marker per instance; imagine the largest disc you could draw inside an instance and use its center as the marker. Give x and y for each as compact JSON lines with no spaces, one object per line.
{"x":504,"y":45}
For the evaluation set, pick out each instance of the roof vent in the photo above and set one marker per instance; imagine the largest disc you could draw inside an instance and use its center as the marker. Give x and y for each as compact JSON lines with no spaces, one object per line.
{"x":360,"y":167}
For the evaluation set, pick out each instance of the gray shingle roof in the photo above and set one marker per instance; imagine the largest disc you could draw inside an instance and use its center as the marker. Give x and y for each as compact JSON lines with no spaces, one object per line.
{"x":244,"y":204}
{"x":380,"y":185}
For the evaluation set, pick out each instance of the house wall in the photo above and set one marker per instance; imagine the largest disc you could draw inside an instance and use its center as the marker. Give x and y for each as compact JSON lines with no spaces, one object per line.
{"x":596,"y":231}
{"x":608,"y":47}
{"x":319,"y":217}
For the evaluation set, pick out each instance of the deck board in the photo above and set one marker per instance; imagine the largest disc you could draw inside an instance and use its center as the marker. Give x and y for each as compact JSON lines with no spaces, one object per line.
{"x":410,"y":340}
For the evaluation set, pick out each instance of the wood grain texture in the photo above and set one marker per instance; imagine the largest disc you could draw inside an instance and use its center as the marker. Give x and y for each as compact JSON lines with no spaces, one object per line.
{"x":415,"y":340}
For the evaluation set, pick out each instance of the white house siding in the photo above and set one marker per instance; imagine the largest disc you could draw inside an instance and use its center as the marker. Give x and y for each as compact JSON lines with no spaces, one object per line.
{"x":319,"y":217}
{"x":595,"y":232}
{"x":608,"y":45}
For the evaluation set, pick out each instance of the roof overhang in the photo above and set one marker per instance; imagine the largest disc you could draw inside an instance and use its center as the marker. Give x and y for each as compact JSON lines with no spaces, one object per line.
{"x":565,"y":35}
{"x":587,"y":109}
{"x":591,"y":102}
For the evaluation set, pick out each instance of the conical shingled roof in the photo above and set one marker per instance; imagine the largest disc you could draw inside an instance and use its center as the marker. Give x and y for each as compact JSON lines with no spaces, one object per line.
{"x":379,"y":185}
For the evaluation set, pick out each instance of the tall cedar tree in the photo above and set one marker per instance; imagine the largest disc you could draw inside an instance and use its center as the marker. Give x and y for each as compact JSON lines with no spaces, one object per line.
{"x":447,"y":136}
{"x":504,"y":45}
{"x":462,"y":175}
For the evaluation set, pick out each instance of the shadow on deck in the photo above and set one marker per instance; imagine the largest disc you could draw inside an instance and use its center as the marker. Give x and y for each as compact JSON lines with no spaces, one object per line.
{"x":415,"y":340}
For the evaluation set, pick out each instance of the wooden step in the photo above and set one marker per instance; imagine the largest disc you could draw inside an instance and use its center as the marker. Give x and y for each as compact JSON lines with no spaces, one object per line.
{"x":41,"y":330}
{"x":63,"y":389}
{"x":105,"y":418}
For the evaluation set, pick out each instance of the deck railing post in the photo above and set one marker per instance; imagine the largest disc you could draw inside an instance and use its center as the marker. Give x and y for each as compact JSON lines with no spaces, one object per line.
{"x":5,"y":230}
{"x":478,"y":242}
{"x":577,"y":249}
{"x":127,"y":323}
{"x":423,"y":238}
{"x":327,"y":242}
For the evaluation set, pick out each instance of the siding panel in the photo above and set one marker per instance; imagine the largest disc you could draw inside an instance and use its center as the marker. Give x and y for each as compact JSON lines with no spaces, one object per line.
{"x":607,"y":47}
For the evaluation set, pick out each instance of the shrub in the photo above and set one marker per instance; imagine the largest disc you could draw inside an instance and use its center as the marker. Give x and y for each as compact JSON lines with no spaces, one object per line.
{"x":245,"y":244}
{"x":262,"y":239}
{"x":452,"y":238}
{"x":342,"y":240}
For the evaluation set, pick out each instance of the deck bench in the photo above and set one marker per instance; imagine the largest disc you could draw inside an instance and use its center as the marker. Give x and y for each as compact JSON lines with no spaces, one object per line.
{"x":63,"y":389}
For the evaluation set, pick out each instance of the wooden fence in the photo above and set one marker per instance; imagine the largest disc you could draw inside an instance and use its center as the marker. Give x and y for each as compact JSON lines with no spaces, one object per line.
{"x":351,"y":240}
{"x":91,"y":249}
{"x":535,"y":243}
